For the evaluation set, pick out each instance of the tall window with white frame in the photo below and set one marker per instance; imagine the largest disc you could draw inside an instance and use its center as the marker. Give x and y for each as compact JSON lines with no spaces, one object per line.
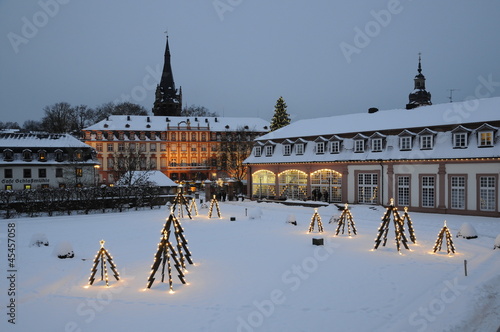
{"x":299,"y":148}
{"x":428,"y":193}
{"x":487,"y":193}
{"x":367,"y":188}
{"x":257,"y":151}
{"x":320,"y":147}
{"x":269,"y":150}
{"x":457,"y":192}
{"x":403,"y":190}
{"x":287,"y":148}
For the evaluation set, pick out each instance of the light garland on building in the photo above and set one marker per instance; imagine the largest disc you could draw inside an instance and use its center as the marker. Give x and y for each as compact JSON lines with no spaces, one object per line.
{"x":384,"y":228}
{"x":316,"y":217}
{"x":213,"y":202}
{"x":346,"y":218}
{"x":101,"y":257}
{"x":449,"y":240}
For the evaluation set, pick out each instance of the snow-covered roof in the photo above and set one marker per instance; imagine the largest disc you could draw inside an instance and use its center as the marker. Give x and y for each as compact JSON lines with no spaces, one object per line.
{"x":154,"y":177}
{"x":39,"y":140}
{"x":472,"y":111}
{"x":163,"y":123}
{"x":395,"y":122}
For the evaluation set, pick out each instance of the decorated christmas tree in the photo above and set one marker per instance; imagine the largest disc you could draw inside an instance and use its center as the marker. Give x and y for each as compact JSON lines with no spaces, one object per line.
{"x":213,"y":202}
{"x":280,"y":118}
{"x":384,"y":228}
{"x":346,"y":218}
{"x":449,"y":240}
{"x":316,"y":218}
{"x":406,"y":217}
{"x":102,"y":259}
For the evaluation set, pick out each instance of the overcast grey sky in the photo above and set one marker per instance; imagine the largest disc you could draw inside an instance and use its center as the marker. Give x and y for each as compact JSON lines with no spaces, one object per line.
{"x":237,"y":57}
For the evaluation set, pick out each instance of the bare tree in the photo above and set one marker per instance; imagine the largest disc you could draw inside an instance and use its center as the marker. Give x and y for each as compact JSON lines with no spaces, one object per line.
{"x":59,"y":118}
{"x":195,"y":110}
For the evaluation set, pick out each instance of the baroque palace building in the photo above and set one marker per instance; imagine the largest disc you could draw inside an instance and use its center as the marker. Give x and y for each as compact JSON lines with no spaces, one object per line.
{"x":183,"y":148}
{"x":441,"y":158}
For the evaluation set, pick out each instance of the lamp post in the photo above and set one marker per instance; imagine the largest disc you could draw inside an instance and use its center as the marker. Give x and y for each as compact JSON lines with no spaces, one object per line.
{"x":260,"y":187}
{"x":96,"y":174}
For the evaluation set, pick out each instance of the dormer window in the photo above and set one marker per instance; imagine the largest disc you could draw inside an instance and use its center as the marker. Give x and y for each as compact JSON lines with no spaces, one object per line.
{"x":376,"y":144}
{"x":485,"y":138}
{"x":405,"y":143}
{"x":459,"y":140}
{"x":78,"y":155}
{"x":59,"y":155}
{"x":320,"y":147}
{"x":359,"y":145}
{"x":257,"y":152}
{"x":299,"y":148}
{"x":8,"y":155}
{"x":42,"y":155}
{"x":426,"y":142}
{"x":269,"y":150}
{"x":287,"y":149}
{"x":335,"y":147}
{"x":27,"y":155}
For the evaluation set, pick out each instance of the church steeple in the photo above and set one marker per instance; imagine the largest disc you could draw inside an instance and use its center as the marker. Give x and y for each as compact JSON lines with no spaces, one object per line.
{"x":419,"y":96}
{"x":168,"y":101}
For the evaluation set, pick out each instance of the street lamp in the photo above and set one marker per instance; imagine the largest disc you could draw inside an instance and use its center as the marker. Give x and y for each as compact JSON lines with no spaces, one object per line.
{"x":96,"y":174}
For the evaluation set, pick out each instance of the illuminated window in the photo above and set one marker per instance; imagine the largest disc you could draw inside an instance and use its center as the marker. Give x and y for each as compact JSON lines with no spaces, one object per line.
{"x":486,"y":138}
{"x":42,"y":155}
{"x":78,"y":172}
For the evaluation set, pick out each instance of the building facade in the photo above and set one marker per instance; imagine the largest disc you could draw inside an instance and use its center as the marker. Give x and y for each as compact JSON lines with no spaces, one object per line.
{"x":440,"y":158}
{"x":183,"y":148}
{"x":32,"y":161}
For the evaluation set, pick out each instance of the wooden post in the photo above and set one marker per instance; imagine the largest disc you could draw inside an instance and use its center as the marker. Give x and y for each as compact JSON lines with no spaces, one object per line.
{"x":465,"y":267}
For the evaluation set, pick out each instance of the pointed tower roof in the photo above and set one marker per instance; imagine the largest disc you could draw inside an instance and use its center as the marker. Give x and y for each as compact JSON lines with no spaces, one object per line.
{"x":167,"y":77}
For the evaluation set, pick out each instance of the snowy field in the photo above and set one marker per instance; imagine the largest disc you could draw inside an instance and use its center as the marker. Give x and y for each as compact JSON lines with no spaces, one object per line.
{"x":259,"y":274}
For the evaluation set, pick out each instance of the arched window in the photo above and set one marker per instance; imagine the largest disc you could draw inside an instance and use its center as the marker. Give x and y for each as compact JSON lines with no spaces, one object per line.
{"x":326,"y":185}
{"x":293,"y":184}
{"x":59,"y":155}
{"x":42,"y":155}
{"x":263,"y":184}
{"x":8,"y":155}
{"x":27,"y":155}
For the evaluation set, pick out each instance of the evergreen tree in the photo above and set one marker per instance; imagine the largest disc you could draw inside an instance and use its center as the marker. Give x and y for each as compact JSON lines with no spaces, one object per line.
{"x":281,"y":117}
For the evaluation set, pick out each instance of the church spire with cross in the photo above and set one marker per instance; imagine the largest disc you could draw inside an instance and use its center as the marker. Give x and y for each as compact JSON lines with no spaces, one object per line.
{"x":419,"y":96}
{"x":168,"y":100}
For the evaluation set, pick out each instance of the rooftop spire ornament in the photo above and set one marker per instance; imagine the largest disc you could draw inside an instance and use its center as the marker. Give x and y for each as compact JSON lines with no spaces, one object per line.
{"x":406,"y":217}
{"x":346,"y":218}
{"x":449,"y":240}
{"x":398,"y":225}
{"x":101,"y":257}
{"x":166,"y":251}
{"x":180,"y":201}
{"x":213,"y":202}
{"x":316,"y":217}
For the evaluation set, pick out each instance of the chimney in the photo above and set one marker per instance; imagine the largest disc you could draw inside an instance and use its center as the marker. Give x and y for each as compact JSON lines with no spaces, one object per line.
{"x":372,"y":110}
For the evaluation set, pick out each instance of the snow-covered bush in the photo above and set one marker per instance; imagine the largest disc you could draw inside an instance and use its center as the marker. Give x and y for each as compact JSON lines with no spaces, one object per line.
{"x":467,"y":231}
{"x":254,"y":213}
{"x":38,"y":240}
{"x":64,"y":250}
{"x":290,"y":219}
{"x":497,"y":242}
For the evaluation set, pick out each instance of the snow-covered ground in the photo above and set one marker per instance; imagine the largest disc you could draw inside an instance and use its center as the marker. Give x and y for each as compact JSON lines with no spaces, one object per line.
{"x":253,"y":274}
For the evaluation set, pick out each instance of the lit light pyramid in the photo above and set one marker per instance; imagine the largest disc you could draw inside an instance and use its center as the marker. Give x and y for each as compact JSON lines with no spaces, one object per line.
{"x":406,"y":217}
{"x":346,"y":218}
{"x":213,"y":202}
{"x":384,"y":228}
{"x":101,"y":258}
{"x":449,"y":240}
{"x":166,"y":251}
{"x":181,"y":202}
{"x":316,"y":218}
